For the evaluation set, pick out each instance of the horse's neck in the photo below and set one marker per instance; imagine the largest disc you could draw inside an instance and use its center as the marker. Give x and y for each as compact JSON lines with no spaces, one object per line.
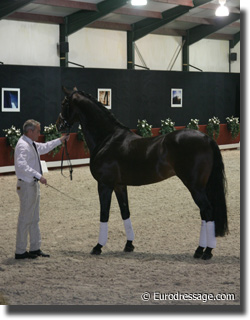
{"x":95,"y":130}
{"x":89,"y":139}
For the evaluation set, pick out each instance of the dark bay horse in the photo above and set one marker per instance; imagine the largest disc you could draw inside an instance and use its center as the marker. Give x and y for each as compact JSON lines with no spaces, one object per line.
{"x":119,"y":157}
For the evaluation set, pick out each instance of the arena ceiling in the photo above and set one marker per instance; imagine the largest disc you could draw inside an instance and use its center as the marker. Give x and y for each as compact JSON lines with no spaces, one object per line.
{"x":195,"y":18}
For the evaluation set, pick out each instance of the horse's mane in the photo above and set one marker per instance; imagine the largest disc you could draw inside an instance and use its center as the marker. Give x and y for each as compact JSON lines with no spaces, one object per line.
{"x":108,"y":115}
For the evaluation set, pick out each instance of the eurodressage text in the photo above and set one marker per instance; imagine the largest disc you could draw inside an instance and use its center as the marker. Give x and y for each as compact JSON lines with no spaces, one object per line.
{"x":204,"y":297}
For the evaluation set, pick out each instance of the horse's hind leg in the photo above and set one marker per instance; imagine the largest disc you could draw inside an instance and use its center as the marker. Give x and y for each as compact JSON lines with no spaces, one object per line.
{"x":105,"y":194}
{"x":207,"y":232}
{"x":122,"y":198}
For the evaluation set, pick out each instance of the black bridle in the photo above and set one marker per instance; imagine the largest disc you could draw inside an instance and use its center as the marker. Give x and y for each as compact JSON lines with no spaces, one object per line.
{"x":68,"y":159}
{"x":65,"y":125}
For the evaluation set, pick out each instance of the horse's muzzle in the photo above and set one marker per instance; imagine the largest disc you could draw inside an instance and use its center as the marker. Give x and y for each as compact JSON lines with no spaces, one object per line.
{"x":62,"y":123}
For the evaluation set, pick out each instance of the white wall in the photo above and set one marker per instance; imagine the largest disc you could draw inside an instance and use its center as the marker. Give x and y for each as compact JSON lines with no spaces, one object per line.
{"x":26,"y":43}
{"x":207,"y":55}
{"x":210,"y":55}
{"x":98,"y":48}
{"x":235,"y":65}
{"x":158,"y":51}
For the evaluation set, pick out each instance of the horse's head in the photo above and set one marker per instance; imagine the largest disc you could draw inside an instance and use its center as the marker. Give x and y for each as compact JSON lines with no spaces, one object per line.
{"x":69,"y":114}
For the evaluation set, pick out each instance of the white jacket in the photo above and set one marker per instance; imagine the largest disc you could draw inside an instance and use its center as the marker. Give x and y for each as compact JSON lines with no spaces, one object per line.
{"x":26,"y":159}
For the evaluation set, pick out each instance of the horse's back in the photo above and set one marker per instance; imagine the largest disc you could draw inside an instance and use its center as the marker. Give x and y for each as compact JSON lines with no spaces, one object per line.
{"x":132,"y":160}
{"x":188,"y":137}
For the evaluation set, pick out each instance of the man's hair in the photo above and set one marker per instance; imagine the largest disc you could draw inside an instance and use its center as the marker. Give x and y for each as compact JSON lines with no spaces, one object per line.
{"x":30,"y":125}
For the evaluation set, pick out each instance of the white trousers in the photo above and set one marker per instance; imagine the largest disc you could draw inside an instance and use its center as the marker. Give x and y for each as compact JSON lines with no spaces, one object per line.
{"x":28,"y":220}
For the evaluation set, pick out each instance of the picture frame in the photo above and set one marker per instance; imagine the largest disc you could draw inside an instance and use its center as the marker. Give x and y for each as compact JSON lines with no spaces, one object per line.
{"x":176,"y":98}
{"x":104,"y":96}
{"x":10,"y":100}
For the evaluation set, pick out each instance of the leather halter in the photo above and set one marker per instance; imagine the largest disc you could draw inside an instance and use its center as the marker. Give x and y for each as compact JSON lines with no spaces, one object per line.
{"x":64,"y":123}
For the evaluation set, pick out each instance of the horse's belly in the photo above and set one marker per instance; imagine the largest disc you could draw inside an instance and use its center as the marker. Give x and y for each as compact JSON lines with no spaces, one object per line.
{"x":131,"y":172}
{"x":145,"y":174}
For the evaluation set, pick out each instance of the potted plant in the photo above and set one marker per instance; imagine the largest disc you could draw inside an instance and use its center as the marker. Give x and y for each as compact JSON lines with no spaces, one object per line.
{"x":52,"y":133}
{"x":193,"y":124}
{"x":144,"y":129}
{"x":233,"y":126}
{"x":213,"y":128}
{"x":12,"y":136}
{"x":167,"y":126}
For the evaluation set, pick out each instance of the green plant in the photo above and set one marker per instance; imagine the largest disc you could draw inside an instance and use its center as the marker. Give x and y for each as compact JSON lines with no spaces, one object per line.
{"x":167,"y":126}
{"x":213,"y":128}
{"x":193,"y":124}
{"x":144,"y":129}
{"x":12,"y":136}
{"x":51,"y":133}
{"x":233,"y":126}
{"x":80,"y":137}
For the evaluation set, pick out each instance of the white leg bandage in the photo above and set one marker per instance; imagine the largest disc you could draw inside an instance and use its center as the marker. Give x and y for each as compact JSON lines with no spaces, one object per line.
{"x":207,"y":234}
{"x":211,"y":239}
{"x":129,"y":229}
{"x":103,"y":233}
{"x":203,"y":234}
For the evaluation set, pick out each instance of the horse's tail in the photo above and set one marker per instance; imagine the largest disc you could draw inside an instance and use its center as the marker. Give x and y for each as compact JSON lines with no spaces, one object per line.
{"x":216,"y":192}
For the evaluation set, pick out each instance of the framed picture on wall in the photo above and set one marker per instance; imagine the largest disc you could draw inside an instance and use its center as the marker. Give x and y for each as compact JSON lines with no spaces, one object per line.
{"x":104,"y":96}
{"x":10,"y":100}
{"x":176,"y":98}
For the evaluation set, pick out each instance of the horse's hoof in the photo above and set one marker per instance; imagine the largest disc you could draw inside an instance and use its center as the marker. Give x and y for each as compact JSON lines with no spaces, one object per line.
{"x":198,"y":253}
{"x":129,"y":247}
{"x":97,"y":250}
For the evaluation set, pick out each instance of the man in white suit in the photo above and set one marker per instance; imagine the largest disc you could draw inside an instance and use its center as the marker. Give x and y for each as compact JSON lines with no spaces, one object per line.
{"x":29,"y":174}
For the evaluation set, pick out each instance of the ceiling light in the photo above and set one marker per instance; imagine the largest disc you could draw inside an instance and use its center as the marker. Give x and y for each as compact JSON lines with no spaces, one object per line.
{"x":138,"y":2}
{"x":222,"y":10}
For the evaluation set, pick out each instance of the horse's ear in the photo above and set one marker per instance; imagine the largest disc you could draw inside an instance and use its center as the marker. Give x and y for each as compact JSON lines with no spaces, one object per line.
{"x":75,"y":89}
{"x":66,"y":91}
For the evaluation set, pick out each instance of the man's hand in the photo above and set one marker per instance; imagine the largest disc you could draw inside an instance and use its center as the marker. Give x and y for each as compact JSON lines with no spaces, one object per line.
{"x":66,"y":137}
{"x":43,"y":180}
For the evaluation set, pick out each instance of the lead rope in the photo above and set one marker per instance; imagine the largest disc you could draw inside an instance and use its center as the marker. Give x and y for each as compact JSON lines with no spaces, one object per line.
{"x":68,"y":159}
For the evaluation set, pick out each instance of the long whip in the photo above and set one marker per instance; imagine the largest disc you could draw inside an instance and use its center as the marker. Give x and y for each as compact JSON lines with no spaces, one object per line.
{"x":48,"y":185}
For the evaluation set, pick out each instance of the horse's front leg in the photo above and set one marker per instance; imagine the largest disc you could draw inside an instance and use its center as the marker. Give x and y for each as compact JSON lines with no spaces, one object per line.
{"x":122,"y":197}
{"x":105,"y":194}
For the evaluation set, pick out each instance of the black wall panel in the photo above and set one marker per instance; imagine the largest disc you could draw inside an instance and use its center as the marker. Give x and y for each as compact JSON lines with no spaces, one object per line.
{"x":136,"y":94}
